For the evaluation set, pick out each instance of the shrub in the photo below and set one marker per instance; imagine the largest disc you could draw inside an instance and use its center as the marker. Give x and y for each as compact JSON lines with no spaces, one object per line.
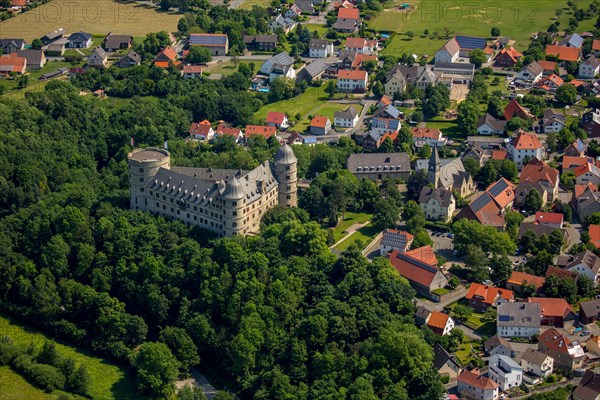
{"x":46,"y":376}
{"x":8,"y":351}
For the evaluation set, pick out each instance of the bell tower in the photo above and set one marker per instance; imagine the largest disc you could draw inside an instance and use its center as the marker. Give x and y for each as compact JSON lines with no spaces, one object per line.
{"x":433,"y":172}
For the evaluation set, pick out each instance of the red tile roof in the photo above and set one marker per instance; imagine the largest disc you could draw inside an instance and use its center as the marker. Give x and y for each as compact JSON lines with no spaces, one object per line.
{"x":437,"y":320}
{"x":275,"y":117}
{"x":225,"y":130}
{"x":499,"y":154}
{"x":356,"y":75}
{"x":266,"y":131}
{"x":596,"y":44}
{"x":429,"y":133}
{"x":167,"y":54}
{"x":547,"y":65}
{"x":13,"y":63}
{"x":569,"y":162}
{"x":359,"y":59}
{"x":504,"y":197}
{"x":548,"y":217}
{"x":319,"y":121}
{"x":519,"y":278}
{"x":526,"y":141}
{"x":594,"y":232}
{"x":488,"y":294}
{"x":513,"y":108}
{"x":192,"y":69}
{"x":563,"y":53}
{"x":511,"y":52}
{"x":348,"y":13}
{"x":552,"y":307}
{"x":355,"y":42}
{"x":385,"y":100}
{"x":18,"y":3}
{"x":552,"y":339}
{"x":475,"y":379}
{"x":579,"y":189}
{"x":418,"y":265}
{"x":560,"y":273}
{"x":536,"y":171}
{"x":200,"y":128}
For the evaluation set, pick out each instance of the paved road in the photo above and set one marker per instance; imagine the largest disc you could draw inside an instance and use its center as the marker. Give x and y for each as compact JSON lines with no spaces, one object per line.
{"x":197,"y":379}
{"x":353,"y":228}
{"x":458,"y":294}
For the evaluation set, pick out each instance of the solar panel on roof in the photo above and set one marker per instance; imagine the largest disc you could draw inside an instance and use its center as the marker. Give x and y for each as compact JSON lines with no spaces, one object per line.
{"x":469,"y":42}
{"x":503,"y":318}
{"x":480,"y":202}
{"x":498,"y":188}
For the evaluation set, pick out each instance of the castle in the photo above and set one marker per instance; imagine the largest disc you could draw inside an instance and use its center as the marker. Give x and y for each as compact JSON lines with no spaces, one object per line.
{"x":225,"y":201}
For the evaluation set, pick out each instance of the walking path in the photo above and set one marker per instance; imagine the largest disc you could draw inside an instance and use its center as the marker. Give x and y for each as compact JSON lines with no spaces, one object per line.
{"x":351,"y":229}
{"x":197,"y":379}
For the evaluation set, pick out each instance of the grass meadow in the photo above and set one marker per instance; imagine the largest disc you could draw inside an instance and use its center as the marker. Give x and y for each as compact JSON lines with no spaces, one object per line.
{"x":98,"y":17}
{"x":107,"y":380}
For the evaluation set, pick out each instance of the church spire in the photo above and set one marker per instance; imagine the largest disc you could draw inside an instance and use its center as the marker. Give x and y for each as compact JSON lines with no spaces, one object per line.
{"x":433,"y":173}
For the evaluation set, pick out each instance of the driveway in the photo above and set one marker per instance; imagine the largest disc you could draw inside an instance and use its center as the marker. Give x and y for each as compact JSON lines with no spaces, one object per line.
{"x":197,"y":379}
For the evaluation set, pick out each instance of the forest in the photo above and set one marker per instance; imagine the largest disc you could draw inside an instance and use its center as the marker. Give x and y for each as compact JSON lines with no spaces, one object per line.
{"x":277,"y":314}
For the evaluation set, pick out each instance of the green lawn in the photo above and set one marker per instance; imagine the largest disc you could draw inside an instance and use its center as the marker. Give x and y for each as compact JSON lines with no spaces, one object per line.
{"x":321,"y":29}
{"x":35,"y":85}
{"x":364,"y":234}
{"x":247,"y":4}
{"x":350,"y":219}
{"x":400,"y":44}
{"x":448,"y":127}
{"x":481,"y":325}
{"x":305,"y":104}
{"x":96,"y":41}
{"x":463,"y":353}
{"x":327,"y":109}
{"x":227,"y":67}
{"x":14,"y":387}
{"x":515,"y":18}
{"x":107,"y":380}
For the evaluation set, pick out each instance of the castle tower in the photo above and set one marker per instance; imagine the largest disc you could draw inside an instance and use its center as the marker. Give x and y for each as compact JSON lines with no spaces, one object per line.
{"x":433,"y":172}
{"x":143,"y":166}
{"x":286,"y":172}
{"x":233,"y":202}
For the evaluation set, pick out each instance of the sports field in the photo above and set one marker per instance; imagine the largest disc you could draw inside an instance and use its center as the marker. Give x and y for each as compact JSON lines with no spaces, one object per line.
{"x":98,"y":16}
{"x":517,"y":19}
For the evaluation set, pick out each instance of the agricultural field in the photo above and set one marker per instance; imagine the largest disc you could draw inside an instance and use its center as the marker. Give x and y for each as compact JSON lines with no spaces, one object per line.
{"x":515,"y":18}
{"x":98,"y":17}
{"x":248,"y":4}
{"x":107,"y":380}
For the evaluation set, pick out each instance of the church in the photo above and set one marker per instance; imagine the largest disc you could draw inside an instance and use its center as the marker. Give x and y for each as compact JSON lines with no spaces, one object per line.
{"x":225,"y":201}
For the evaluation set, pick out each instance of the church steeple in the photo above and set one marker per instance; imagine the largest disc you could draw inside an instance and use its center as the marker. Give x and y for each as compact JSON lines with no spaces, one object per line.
{"x":433,"y":173}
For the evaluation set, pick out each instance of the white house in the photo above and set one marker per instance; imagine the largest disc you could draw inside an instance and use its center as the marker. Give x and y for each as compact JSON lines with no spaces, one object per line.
{"x":488,"y":125}
{"x":589,"y":68}
{"x":393,"y":239}
{"x":505,"y":372}
{"x":320,"y":48}
{"x":280,"y":65}
{"x":345,"y":119}
{"x":473,"y":385}
{"x":202,"y":131}
{"x":518,"y":319}
{"x":361,"y":45}
{"x":355,"y":81}
{"x":587,"y":173}
{"x":438,"y":204}
{"x":587,"y":264}
{"x":293,"y":12}
{"x":525,"y":145}
{"x":440,"y":323}
{"x":537,"y":363}
{"x":531,"y":73}
{"x":98,"y":58}
{"x":550,"y":122}
{"x":287,"y":24}
{"x":449,"y":53}
{"x":277,"y":119}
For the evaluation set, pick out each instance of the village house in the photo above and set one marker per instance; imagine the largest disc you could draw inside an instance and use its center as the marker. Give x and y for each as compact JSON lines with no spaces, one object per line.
{"x":438,"y":204}
{"x":507,"y":58}
{"x":202,"y":131}
{"x":505,"y":372}
{"x":320,"y":48}
{"x":191,"y":71}
{"x":594,"y":233}
{"x":402,"y":75}
{"x":587,"y":173}
{"x":537,"y":363}
{"x":590,"y":122}
{"x":377,"y":166}
{"x":129,"y":60}
{"x":361,"y":45}
{"x":286,"y":24}
{"x":225,"y":130}
{"x":445,"y":363}
{"x":589,"y":68}
{"x":280,"y":65}
{"x":554,"y":311}
{"x":79,"y":40}
{"x":586,"y":200}
{"x":419,"y":267}
{"x":166,"y":58}
{"x":217,"y":44}
{"x":312,"y":71}
{"x":489,"y":208}
{"x":550,"y":67}
{"x":11,"y":45}
{"x":589,"y":311}
{"x":36,"y":59}
{"x":260,"y":42}
{"x":277,"y":119}
{"x":348,"y":20}
{"x":537,"y":171}
{"x":518,"y":280}
{"x":553,"y":220}
{"x":383,"y":125}
{"x":518,"y":319}
{"x":523,"y":146}
{"x":572,"y":40}
{"x":320,"y":125}
{"x":114,"y":42}
{"x":449,"y":52}
{"x":376,"y":137}
{"x":587,"y":264}
{"x":531,"y":73}
{"x":550,"y":84}
{"x":488,"y":125}
{"x":589,"y":387}
{"x":498,"y":345}
{"x":576,"y":149}
{"x":473,"y":385}
{"x":259,"y":130}
{"x":430,"y":136}
{"x":305,"y":6}
{"x":293,"y":12}
{"x":514,"y":109}
{"x":52,"y":36}
{"x":12,"y":64}
{"x":567,"y":354}
{"x":440,"y":323}
{"x":346,"y":118}
{"x":352,"y":81}
{"x":98,"y":58}
{"x":393,"y":239}
{"x":592,"y":345}
{"x":551,"y":122}
{"x":481,"y":297}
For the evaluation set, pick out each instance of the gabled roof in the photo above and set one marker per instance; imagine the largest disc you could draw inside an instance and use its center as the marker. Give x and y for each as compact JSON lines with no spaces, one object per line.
{"x":519,"y":278}
{"x":513,"y":108}
{"x":593,"y":61}
{"x":589,"y":386}
{"x":590,"y":308}
{"x":484,"y":210}
{"x":274,"y":117}
{"x":133,"y":56}
{"x":547,"y":65}
{"x":520,"y":314}
{"x":496,"y":341}
{"x":499,"y":154}
{"x":534,"y":67}
{"x":396,"y":238}
{"x":352,"y":74}
{"x":475,"y":379}
{"x":451,"y":46}
{"x":572,"y":40}
{"x":471,"y":42}
{"x":207,"y":39}
{"x":282,"y":59}
{"x":552,"y":307}
{"x":534,"y":357}
{"x":511,"y":53}
{"x":316,"y":67}
{"x":355,"y":42}
{"x":560,"y":273}
{"x":594,"y":232}
{"x":426,"y":133}
{"x":115,"y":41}
{"x":441,"y":357}
{"x":548,"y":217}
{"x":418,"y":265}
{"x":438,"y":320}
{"x":200,"y":128}
{"x":319,"y":121}
{"x":348,"y":113}
{"x":192,"y":69}
{"x":318,"y":44}
{"x":168,"y":53}
{"x":12,"y":63}
{"x":488,"y":294}
{"x":83,"y":36}
{"x":361,"y":58}
{"x":596,"y":45}
{"x":539,"y":171}
{"x":587,"y":259}
{"x":442,"y":196}
{"x":502,"y":191}
{"x":266,"y":131}
{"x":552,"y":339}
{"x":100,"y":52}
{"x":348,"y":13}
{"x":488,"y":119}
{"x":587,"y":168}
{"x":563,"y":53}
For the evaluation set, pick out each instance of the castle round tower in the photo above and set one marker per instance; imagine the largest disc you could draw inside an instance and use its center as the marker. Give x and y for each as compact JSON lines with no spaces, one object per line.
{"x":286,"y":172}
{"x":233,"y":202}
{"x":143,"y":166}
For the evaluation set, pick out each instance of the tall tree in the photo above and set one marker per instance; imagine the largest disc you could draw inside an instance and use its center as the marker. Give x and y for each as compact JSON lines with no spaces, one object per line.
{"x":156,"y":369}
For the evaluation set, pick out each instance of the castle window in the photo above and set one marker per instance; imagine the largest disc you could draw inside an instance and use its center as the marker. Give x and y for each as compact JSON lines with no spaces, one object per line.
{"x":195,"y":208}
{"x":235,"y":213}
{"x":287,"y":177}
{"x":171,"y":209}
{"x":142,"y":190}
{"x":136,"y":200}
{"x":235,"y":224}
{"x":289,"y":187}
{"x":157,"y":205}
{"x":195,"y":218}
{"x":145,"y":202}
{"x":142,"y":170}
{"x":151,"y":193}
{"x":141,"y":179}
{"x":234,"y":203}
{"x":164,"y":197}
{"x":288,"y":197}
{"x":188,"y":215}
{"x":164,"y":207}
{"x":287,"y":167}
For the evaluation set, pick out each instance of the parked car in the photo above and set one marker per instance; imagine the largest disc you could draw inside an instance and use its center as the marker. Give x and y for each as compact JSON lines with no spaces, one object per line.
{"x":585,"y":333}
